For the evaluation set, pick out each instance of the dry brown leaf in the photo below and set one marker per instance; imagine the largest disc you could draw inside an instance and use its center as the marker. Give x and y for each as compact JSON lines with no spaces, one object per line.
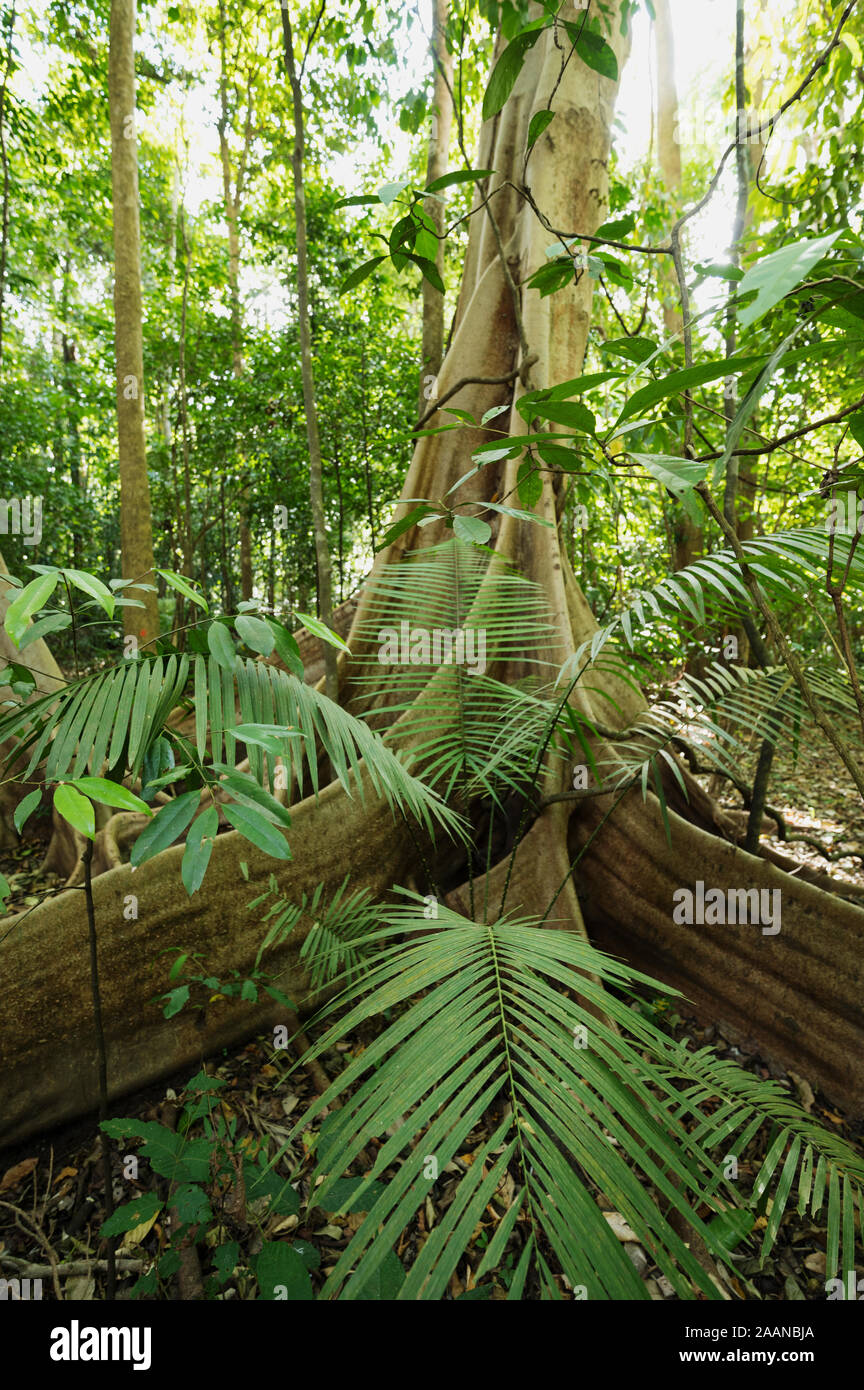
{"x":18,"y":1173}
{"x":620,"y":1227}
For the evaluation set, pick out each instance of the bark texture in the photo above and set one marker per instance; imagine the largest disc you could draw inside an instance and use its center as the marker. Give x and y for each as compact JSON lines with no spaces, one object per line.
{"x":136,"y":529}
{"x":323,"y":566}
{"x":432,"y":345}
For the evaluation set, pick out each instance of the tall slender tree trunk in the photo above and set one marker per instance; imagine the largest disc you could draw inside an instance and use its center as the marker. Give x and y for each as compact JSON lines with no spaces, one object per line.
{"x":686,"y":534}
{"x":316,"y":474}
{"x":233,"y":200}
{"x":136,"y":531}
{"x":8,"y":57}
{"x":432,"y":349}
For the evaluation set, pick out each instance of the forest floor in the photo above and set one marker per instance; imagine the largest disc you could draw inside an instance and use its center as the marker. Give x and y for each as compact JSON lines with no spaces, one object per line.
{"x":51,"y":1204}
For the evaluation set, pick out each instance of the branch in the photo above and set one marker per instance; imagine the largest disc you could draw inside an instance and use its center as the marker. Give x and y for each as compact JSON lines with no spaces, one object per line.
{"x":476,"y":381}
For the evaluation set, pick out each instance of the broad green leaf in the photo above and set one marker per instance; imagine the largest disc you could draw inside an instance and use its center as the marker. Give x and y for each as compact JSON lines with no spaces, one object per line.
{"x":281,"y":1273}
{"x":506,"y":71}
{"x":529,"y":483}
{"x":775,"y":275}
{"x":430,"y":271}
{"x":389,"y":192}
{"x":274,"y":737}
{"x":111,"y":794}
{"x":560,"y":457}
{"x":458,"y":176}
{"x":573,"y":414}
{"x":182,"y":585}
{"x":676,"y":474}
{"x":220,"y":644}
{"x":676,"y":382}
{"x":169,"y":822}
{"x":252,"y":826}
{"x":286,"y":648}
{"x":359,"y":274}
{"x":322,"y":631}
{"x":594,"y":51}
{"x":131,"y":1214}
{"x":856,"y":429}
{"x":31,"y":598}
{"x":256,"y":633}
{"x":75,"y":809}
{"x":53,"y":622}
{"x":539,"y":122}
{"x":359,"y":200}
{"x":199,"y":847}
{"x":383,"y":1284}
{"x":472,"y":529}
{"x":89,"y":584}
{"x":244,"y":788}
{"x":177,"y":999}
{"x":406,"y":522}
{"x":519,"y":515}
{"x":25,"y":809}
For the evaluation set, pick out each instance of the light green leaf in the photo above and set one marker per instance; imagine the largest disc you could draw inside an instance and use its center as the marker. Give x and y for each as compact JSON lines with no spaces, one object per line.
{"x":252,"y":826}
{"x":111,"y":794}
{"x":775,"y":275}
{"x":169,"y":822}
{"x":677,"y":474}
{"x":182,"y":585}
{"x":220,"y":644}
{"x":89,"y":584}
{"x":472,"y":529}
{"x":31,"y":598}
{"x":256,"y":634}
{"x":273,"y":737}
{"x":458,"y":176}
{"x":539,"y":122}
{"x":389,"y":192}
{"x":53,"y":622}
{"x":199,"y":847}
{"x":506,"y":71}
{"x":26,"y":808}
{"x":320,"y":630}
{"x":75,"y":809}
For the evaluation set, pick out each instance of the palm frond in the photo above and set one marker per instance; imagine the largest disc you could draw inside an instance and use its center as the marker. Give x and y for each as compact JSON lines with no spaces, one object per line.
{"x":337,"y":942}
{"x":482,"y":1035}
{"x":117,"y":715}
{"x":445,"y":713}
{"x":764,"y":702}
{"x":787,"y":562}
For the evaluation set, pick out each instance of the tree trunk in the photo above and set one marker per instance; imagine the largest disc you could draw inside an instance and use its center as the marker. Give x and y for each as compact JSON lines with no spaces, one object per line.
{"x":136,"y":529}
{"x":316,"y":476}
{"x":432,"y":349}
{"x":773,"y":986}
{"x":686,"y":534}
{"x":232,"y":197}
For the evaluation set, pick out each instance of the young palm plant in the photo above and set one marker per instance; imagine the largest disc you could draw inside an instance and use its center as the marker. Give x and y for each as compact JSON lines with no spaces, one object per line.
{"x":511,"y":1054}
